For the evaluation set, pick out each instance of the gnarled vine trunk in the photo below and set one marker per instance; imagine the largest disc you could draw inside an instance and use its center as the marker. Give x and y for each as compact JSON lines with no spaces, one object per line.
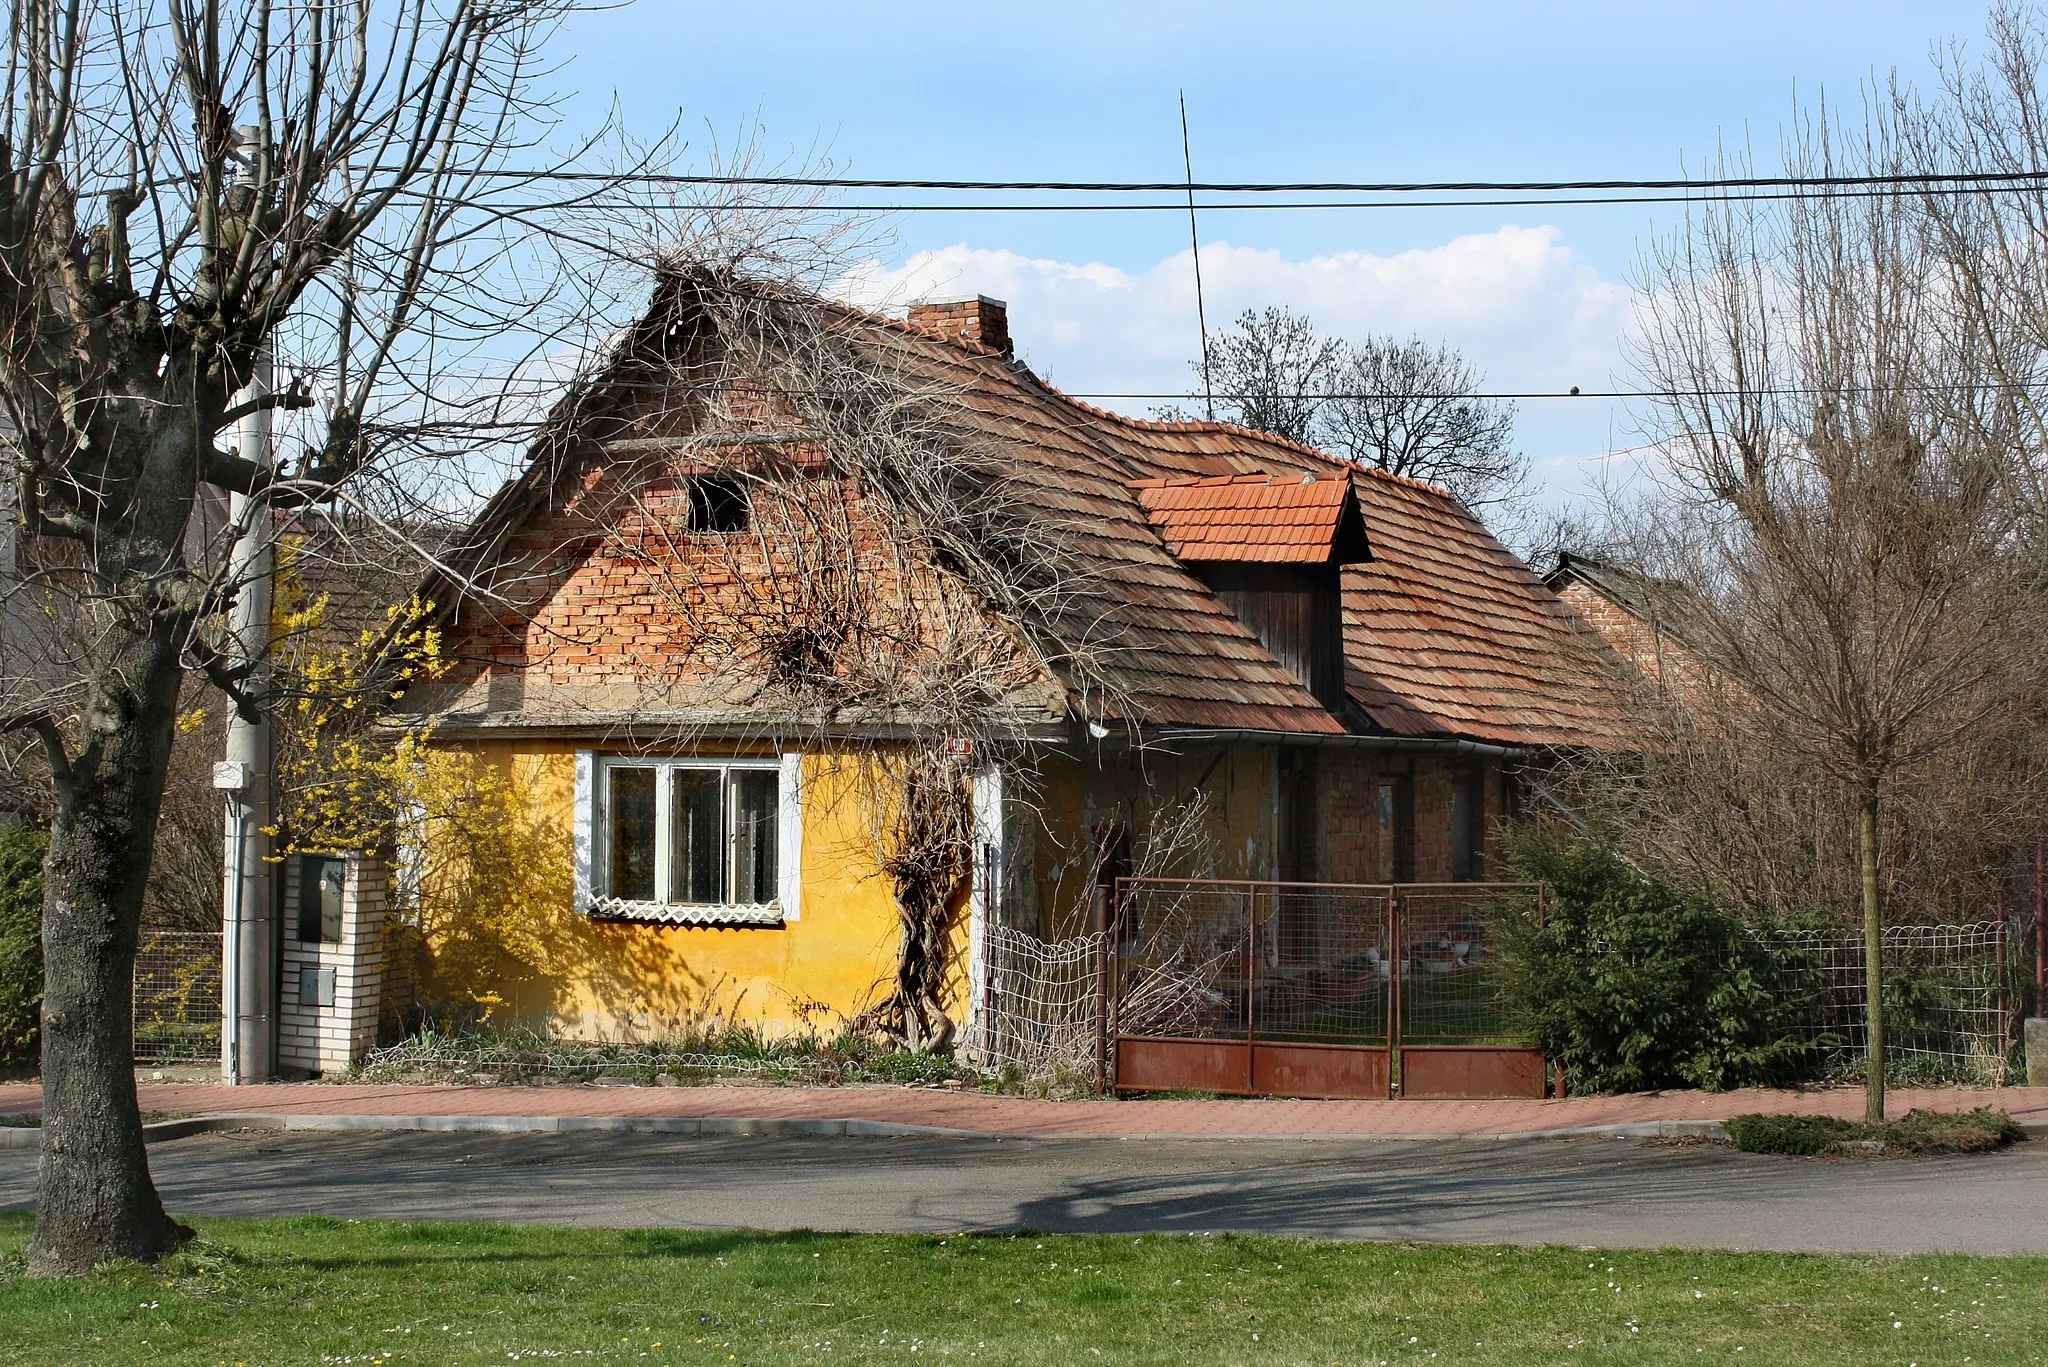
{"x":927,"y":857}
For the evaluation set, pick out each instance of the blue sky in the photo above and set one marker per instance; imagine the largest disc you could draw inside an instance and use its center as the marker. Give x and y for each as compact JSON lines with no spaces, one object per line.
{"x":1104,"y":302}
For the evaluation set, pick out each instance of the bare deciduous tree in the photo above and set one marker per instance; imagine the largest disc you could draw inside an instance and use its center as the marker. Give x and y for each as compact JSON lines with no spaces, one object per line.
{"x":1840,"y":455}
{"x":1406,"y":407}
{"x":187,"y":188}
{"x":1991,"y":119}
{"x":1271,"y":372}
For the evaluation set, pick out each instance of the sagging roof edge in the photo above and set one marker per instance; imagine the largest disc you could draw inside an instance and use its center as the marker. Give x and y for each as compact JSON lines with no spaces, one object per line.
{"x":1053,"y":736}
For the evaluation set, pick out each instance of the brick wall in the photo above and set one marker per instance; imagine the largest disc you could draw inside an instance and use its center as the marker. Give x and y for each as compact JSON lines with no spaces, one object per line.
{"x":608,"y":590}
{"x":325,"y":1039}
{"x":1358,"y":815}
{"x":1653,"y":654}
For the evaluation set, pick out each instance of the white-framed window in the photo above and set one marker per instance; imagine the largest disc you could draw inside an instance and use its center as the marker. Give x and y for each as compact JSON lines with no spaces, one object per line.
{"x":687,"y":840}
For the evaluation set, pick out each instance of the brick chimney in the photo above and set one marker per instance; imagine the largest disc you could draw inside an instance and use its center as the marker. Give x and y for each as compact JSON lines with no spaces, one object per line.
{"x":972,"y":318}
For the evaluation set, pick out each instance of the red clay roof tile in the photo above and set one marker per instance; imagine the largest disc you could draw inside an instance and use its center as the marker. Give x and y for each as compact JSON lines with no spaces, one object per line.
{"x":1447,"y":634}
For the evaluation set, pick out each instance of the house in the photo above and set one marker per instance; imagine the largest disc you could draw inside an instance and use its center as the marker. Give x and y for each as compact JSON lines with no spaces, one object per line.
{"x":710,"y":613}
{"x":1642,"y":619}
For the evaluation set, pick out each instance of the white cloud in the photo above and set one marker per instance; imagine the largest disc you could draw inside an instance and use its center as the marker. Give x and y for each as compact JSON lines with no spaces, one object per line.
{"x":1517,"y":301}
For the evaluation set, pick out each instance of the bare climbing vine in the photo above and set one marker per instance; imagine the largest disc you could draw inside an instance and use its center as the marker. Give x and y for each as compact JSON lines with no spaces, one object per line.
{"x":888,"y":597}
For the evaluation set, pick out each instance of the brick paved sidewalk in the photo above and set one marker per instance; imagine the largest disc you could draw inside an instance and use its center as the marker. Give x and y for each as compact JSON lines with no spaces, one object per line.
{"x":1019,"y":1116}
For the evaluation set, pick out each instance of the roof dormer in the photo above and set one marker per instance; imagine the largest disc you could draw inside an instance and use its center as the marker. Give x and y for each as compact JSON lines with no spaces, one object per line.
{"x":1258,"y":519}
{"x":1271,"y":548}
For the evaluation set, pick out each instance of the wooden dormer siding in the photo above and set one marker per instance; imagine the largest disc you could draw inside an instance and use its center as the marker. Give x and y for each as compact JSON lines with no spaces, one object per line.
{"x":1297,"y":613}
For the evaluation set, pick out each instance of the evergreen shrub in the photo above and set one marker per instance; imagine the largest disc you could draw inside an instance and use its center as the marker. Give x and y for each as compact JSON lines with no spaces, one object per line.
{"x":21,"y":944}
{"x":1632,"y":985}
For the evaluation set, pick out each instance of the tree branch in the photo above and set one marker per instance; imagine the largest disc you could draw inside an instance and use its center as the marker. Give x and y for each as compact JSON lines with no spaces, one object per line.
{"x":228,"y":678}
{"x":235,"y":473}
{"x":294,"y":398}
{"x":44,"y":723}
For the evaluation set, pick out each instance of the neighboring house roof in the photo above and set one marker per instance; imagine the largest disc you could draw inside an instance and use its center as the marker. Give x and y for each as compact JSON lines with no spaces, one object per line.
{"x":1651,"y":623}
{"x":1263,"y":519}
{"x":1659,"y":601}
{"x":1447,"y":634}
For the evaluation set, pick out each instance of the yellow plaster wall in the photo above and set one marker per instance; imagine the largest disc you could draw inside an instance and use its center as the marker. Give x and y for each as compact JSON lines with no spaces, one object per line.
{"x":1075,"y":796}
{"x":610,"y":979}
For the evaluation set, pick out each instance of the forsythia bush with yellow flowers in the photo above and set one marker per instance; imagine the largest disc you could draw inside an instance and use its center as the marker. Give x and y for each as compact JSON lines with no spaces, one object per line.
{"x":492,"y":891}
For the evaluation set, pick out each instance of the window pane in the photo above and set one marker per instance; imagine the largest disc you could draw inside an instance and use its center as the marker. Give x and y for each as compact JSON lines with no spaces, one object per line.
{"x":697,"y":840}
{"x":330,"y":901}
{"x":754,"y":823}
{"x":629,"y":811}
{"x":319,"y":900}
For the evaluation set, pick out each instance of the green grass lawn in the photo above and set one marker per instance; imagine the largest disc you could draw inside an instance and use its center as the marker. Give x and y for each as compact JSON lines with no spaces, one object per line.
{"x":332,"y":1291}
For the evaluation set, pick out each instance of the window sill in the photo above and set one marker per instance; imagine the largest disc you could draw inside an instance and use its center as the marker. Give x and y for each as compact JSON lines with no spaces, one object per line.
{"x":685,"y":914}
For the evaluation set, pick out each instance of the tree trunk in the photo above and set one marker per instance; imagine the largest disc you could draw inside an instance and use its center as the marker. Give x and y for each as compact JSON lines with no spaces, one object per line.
{"x":1873,"y":961}
{"x":94,"y":1196}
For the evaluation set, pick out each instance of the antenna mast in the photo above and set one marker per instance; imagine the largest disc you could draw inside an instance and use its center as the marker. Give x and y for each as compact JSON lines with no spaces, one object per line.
{"x":1195,"y":246}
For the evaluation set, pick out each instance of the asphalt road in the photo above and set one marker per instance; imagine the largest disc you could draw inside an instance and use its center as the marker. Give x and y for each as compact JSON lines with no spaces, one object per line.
{"x":1603,"y":1192}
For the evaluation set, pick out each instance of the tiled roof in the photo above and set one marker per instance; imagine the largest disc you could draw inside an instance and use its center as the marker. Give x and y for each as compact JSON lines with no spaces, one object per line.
{"x":1447,"y":634}
{"x":1267,"y":519}
{"x":1665,"y":604}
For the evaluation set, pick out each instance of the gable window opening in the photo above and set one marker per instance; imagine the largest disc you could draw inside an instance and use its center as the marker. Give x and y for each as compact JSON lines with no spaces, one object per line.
{"x":691,"y":834}
{"x":719,"y":504}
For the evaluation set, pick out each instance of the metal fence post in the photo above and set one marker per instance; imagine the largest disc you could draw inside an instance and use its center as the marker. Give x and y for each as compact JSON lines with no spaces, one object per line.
{"x":2004,"y":1026}
{"x":1251,"y":987}
{"x":1395,"y":1003}
{"x":2041,"y":927}
{"x":1393,"y":963}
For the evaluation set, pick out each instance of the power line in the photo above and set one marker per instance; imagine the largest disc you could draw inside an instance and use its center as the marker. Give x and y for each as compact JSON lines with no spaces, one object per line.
{"x":1240,"y":206}
{"x":1895,"y":180}
{"x":1777,"y":391}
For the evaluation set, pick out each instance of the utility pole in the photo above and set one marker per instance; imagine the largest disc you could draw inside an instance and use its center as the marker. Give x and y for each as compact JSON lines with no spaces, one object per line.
{"x":249,"y":922}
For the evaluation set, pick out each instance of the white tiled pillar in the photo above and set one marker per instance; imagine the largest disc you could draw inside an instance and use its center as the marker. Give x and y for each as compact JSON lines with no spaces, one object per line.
{"x":333,"y":974}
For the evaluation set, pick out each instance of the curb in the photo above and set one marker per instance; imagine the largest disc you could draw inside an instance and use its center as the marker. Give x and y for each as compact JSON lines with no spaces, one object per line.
{"x":761,"y":1127}
{"x":31,"y":1137}
{"x":772,"y":1127}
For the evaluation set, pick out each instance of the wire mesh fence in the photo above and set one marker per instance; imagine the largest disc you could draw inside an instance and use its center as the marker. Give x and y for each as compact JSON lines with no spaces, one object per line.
{"x":1042,"y":1003}
{"x":177,"y":997}
{"x":1948,"y":999}
{"x":1418,"y":965}
{"x":1312,"y":962}
{"x":1450,"y":992}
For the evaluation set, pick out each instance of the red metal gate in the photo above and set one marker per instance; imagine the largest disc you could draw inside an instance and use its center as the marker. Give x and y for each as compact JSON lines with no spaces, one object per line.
{"x":1250,"y":988}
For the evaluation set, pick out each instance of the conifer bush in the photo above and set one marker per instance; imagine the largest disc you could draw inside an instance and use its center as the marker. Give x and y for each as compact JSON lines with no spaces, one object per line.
{"x":21,"y":944}
{"x":1633,"y":985}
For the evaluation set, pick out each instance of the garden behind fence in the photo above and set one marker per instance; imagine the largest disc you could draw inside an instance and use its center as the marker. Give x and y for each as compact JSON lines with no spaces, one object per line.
{"x":1954,"y":995}
{"x":177,"y":997}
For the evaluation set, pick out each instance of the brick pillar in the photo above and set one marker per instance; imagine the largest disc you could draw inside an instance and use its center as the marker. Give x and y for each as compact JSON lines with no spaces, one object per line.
{"x":333,"y":969}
